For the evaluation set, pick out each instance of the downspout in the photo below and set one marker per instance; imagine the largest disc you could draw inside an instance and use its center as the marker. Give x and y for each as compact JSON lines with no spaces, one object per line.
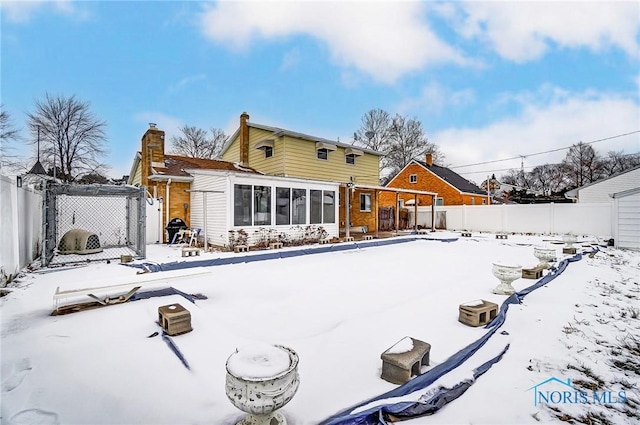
{"x":166,"y":204}
{"x":347,"y":207}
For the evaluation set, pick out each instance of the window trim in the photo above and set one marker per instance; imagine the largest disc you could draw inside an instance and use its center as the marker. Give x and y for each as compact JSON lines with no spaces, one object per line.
{"x":413,"y":178}
{"x":268,"y":152}
{"x":439,"y":199}
{"x":351,"y":156}
{"x":326,"y":154}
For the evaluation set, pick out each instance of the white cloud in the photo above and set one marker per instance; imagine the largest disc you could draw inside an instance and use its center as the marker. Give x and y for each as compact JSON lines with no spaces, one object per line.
{"x":290,"y":59}
{"x":23,"y":11}
{"x":187,"y":81}
{"x":434,"y":98}
{"x":383,"y":39}
{"x":524,"y":31}
{"x":565,"y":120}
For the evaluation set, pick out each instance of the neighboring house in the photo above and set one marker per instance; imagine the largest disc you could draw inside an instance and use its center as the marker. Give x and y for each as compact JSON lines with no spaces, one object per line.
{"x":600,"y":191}
{"x":280,"y":152}
{"x":452,"y":189}
{"x":237,"y":197}
{"x":626,"y":219}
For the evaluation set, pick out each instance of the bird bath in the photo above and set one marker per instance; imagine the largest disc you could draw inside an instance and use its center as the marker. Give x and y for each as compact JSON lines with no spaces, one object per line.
{"x":260,"y":380}
{"x":506,"y":274}
{"x":569,"y":239}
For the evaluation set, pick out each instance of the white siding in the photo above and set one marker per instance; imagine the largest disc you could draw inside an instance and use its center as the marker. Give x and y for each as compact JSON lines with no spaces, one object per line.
{"x":600,"y":192}
{"x":628,"y":221}
{"x":216,"y":226}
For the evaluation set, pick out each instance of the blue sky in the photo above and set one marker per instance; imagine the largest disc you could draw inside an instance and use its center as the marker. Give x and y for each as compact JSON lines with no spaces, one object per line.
{"x":488,"y":80}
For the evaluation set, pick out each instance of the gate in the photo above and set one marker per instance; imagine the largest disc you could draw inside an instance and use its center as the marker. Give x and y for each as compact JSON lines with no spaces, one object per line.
{"x":93,"y":222}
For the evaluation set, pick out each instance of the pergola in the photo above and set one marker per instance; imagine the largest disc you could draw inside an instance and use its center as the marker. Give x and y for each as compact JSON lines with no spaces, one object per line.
{"x":397,"y":191}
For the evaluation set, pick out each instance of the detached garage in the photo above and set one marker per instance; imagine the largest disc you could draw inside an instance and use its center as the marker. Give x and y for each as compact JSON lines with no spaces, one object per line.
{"x":626,"y":216}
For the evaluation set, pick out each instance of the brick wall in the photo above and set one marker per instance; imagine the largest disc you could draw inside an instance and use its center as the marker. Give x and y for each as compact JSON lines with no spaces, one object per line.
{"x":429,"y":182}
{"x":357,"y":217}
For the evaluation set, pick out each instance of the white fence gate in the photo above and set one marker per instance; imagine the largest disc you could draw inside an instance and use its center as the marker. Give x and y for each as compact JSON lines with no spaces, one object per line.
{"x":589,"y":219}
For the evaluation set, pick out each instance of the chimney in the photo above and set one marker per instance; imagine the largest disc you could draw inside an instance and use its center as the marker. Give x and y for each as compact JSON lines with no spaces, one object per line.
{"x":152,"y":150}
{"x":244,"y":139}
{"x":429,"y":159}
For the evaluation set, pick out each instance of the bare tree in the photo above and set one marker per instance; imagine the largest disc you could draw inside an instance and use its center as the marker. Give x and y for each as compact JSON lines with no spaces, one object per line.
{"x":401,"y":138}
{"x":548,"y":178}
{"x":583,"y":163}
{"x":74,"y":139}
{"x":616,"y":162}
{"x":8,"y":134}
{"x":196,"y":142}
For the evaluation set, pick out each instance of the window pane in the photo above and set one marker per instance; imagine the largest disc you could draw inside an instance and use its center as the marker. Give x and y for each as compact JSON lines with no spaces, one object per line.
{"x":329,"y":207}
{"x":316,"y":207}
{"x":365,"y":202}
{"x":322,"y":153}
{"x":261,"y":205}
{"x":242,"y":205}
{"x":351,"y":159}
{"x":282,"y":205}
{"x":299,"y":206}
{"x":439,"y":201}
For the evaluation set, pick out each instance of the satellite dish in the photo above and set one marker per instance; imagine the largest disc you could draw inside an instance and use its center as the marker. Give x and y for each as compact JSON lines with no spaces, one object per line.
{"x":369,"y":134}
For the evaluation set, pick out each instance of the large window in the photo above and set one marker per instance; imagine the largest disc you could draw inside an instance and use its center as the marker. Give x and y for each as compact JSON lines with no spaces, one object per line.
{"x":261,"y":205}
{"x":316,"y":207}
{"x":298,"y":206}
{"x":242,"y":205}
{"x":282,"y":205}
{"x":329,"y":207}
{"x":365,"y":202}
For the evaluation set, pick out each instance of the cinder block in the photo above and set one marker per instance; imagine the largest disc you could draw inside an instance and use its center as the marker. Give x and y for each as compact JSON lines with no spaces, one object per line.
{"x":241,"y":248}
{"x":501,"y":236}
{"x":569,"y":251}
{"x":398,"y":368}
{"x":174,"y":319}
{"x":477,"y":313}
{"x":323,"y":241}
{"x":465,"y":234}
{"x":188,"y":252}
{"x":534,"y":273}
{"x":367,"y":237}
{"x":349,"y":239}
{"x":275,"y":245}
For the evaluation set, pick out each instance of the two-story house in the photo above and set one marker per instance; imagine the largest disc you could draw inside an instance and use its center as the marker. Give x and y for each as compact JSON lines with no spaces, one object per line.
{"x":222,"y":197}
{"x":280,"y":152}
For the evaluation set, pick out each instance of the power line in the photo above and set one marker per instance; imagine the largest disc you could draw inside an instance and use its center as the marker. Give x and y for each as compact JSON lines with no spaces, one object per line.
{"x":548,"y":151}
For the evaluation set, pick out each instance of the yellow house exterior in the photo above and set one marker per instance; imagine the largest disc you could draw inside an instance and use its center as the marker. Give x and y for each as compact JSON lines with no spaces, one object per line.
{"x":280,"y":152}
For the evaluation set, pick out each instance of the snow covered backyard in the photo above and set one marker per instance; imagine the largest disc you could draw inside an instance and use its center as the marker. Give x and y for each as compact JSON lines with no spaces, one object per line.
{"x":339,"y":311}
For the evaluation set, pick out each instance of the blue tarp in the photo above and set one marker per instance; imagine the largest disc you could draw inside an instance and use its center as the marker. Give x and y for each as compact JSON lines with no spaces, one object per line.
{"x":179,"y":265}
{"x":408,"y":410}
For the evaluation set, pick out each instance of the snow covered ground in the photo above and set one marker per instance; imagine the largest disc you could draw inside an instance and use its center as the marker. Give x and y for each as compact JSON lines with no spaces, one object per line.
{"x":339,"y":311}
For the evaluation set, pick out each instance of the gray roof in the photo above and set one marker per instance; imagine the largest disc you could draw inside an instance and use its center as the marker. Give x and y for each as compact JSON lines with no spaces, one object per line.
{"x":284,"y":132}
{"x":453,"y":178}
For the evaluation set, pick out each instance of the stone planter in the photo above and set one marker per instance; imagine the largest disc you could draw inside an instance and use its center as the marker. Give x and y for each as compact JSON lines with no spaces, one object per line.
{"x":506,"y":274}
{"x":544,"y":255}
{"x":260,"y":380}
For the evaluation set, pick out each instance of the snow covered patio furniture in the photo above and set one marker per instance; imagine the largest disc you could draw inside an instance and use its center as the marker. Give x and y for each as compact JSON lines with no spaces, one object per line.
{"x":477,"y":313}
{"x":174,"y":319}
{"x":404,"y":359}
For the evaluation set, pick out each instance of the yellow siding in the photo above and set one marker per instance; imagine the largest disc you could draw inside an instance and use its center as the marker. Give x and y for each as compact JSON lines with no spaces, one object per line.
{"x":273,"y":165}
{"x":301,"y":161}
{"x":233,"y":152}
{"x":137,"y":174}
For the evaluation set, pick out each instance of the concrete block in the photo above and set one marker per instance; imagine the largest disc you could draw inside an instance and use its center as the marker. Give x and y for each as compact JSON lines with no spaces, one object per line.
{"x":368,"y":237}
{"x":188,"y":252}
{"x":349,"y":239}
{"x":501,"y":236}
{"x":275,"y":245}
{"x":174,"y":319}
{"x":398,"y":368}
{"x":569,"y":251}
{"x":534,"y":273}
{"x":323,"y":241}
{"x":241,"y":248}
{"x":477,"y":313}
{"x":465,"y":234}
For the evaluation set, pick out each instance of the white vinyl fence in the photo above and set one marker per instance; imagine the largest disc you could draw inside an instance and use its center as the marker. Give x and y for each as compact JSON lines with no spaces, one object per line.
{"x":20,"y":227}
{"x":581,"y":219}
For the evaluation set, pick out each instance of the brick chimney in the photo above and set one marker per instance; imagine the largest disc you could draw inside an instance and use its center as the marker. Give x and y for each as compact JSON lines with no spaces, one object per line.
{"x":152,"y":150}
{"x":429,"y":159}
{"x":244,"y":139}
